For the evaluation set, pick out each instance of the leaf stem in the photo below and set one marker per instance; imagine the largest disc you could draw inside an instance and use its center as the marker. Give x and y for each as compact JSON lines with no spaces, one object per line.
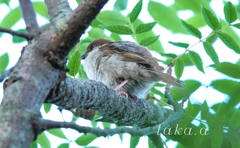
{"x":134,"y":34}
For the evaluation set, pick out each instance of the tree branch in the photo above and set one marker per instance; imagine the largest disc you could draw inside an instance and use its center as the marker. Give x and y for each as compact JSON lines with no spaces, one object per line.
{"x":37,"y":73}
{"x":29,"y":16}
{"x":57,"y":6}
{"x":83,"y":93}
{"x":16,"y":33}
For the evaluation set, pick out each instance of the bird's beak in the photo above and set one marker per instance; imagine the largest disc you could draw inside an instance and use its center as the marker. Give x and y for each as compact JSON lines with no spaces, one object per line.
{"x":83,"y":56}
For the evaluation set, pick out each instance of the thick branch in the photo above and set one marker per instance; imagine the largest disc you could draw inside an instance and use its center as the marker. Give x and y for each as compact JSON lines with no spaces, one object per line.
{"x":56,"y":6}
{"x":37,"y":72}
{"x":82,"y":93}
{"x":29,"y":16}
{"x":16,"y":33}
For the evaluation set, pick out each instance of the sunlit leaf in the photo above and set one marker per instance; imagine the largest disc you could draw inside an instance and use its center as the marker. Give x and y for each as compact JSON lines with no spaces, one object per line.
{"x":85,"y":139}
{"x":178,"y":68}
{"x":229,"y":69}
{"x":210,"y":19}
{"x":135,"y":12}
{"x":57,"y":132}
{"x":63,"y":145}
{"x":237,"y":25}
{"x":229,"y":41}
{"x":223,"y":85}
{"x":211,"y":52}
{"x":112,"y":17}
{"x":43,"y":140}
{"x":96,"y":33}
{"x":33,"y":145}
{"x":41,"y":9}
{"x":4,"y":60}
{"x":212,"y":39}
{"x":191,"y":29}
{"x":168,"y":55}
{"x":189,"y":87}
{"x":230,"y":12}
{"x":134,"y":141}
{"x":74,"y":63}
{"x":47,"y":107}
{"x":166,"y":16}
{"x":149,"y":40}
{"x":119,"y":29}
{"x":11,"y":18}
{"x":145,"y":27}
{"x":179,"y":44}
{"x":196,"y":59}
{"x":120,"y":5}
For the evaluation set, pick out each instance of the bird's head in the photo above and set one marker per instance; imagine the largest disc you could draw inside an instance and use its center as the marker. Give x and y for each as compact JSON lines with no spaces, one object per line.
{"x":91,"y":46}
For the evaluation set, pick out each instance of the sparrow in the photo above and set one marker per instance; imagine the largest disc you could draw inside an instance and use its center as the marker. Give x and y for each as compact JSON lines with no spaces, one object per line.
{"x":125,"y":66}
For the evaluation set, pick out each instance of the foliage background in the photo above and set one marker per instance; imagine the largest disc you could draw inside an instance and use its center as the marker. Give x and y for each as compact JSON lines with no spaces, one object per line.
{"x":211,"y":93}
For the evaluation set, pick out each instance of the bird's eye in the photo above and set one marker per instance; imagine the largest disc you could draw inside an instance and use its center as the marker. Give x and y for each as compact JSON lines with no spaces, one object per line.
{"x":91,"y":48}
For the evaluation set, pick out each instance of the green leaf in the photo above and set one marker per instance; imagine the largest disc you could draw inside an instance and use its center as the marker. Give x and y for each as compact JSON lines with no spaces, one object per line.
{"x":212,"y":39}
{"x":41,"y":9}
{"x":33,"y":145}
{"x":230,"y":12}
{"x":211,"y":52}
{"x":119,"y":29}
{"x":192,"y":30}
{"x":229,"y":69}
{"x":17,"y":39}
{"x":169,"y":55}
{"x":43,"y":140}
{"x":5,"y":2}
{"x":112,"y":17}
{"x":159,"y":85}
{"x":178,"y":68}
{"x":189,"y":87}
{"x":120,"y":5}
{"x":134,"y":141}
{"x":63,"y":145}
{"x":196,"y":59}
{"x":74,"y":63}
{"x":96,"y":33}
{"x":106,"y":125}
{"x":78,"y":1}
{"x":187,"y":61}
{"x":179,"y":44}
{"x":135,"y":12}
{"x":145,"y":27}
{"x":223,"y":85}
{"x":156,"y":46}
{"x":11,"y":18}
{"x":150,"y":145}
{"x":85,"y":139}
{"x":166,"y":16}
{"x":234,"y":122}
{"x":229,"y":41}
{"x":234,"y":139}
{"x":57,"y":132}
{"x":217,"y":136}
{"x":149,"y":40}
{"x":4,"y":60}
{"x":210,"y":19}
{"x":115,"y":37}
{"x":237,"y":25}
{"x":47,"y":107}
{"x":196,"y":20}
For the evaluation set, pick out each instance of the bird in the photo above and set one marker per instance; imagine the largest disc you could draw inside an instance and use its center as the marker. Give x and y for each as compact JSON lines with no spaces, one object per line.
{"x":126,"y":66}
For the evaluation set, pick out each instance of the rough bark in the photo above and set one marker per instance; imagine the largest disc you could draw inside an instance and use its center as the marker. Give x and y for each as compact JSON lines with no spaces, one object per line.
{"x":38,"y":71}
{"x":83,"y":93}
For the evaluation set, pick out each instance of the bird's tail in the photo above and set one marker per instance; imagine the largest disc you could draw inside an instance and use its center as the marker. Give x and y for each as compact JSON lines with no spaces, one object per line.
{"x":164,"y":77}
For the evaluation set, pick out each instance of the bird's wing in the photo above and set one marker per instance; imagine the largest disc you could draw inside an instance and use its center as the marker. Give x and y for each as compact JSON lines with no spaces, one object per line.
{"x":124,"y":55}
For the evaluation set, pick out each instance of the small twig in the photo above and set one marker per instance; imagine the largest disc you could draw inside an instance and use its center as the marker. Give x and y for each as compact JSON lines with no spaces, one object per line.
{"x":16,"y":33}
{"x":29,"y":16}
{"x":160,"y":101}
